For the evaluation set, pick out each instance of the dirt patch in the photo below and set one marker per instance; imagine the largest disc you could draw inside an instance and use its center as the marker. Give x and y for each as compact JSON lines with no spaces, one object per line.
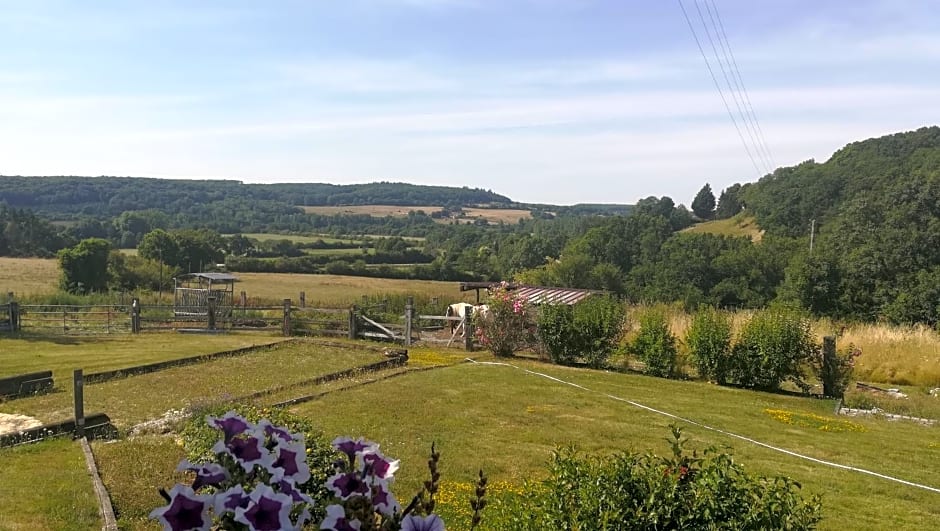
{"x":12,"y":423}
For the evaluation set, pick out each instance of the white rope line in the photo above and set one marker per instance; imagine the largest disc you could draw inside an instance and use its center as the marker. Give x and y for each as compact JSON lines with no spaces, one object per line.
{"x":723,"y":432}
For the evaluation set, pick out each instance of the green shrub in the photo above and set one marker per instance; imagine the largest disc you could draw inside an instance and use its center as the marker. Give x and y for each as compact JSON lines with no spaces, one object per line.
{"x":655,"y":345}
{"x":644,"y":491}
{"x":709,"y":340}
{"x":198,"y":439}
{"x":773,"y":346}
{"x":588,"y":330}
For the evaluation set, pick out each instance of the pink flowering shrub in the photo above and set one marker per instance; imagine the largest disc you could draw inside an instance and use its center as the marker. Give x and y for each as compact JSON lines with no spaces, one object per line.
{"x":507,"y":326}
{"x":253,"y":483}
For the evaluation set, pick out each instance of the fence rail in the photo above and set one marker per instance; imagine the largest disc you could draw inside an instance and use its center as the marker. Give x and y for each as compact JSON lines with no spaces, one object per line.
{"x":286,"y":319}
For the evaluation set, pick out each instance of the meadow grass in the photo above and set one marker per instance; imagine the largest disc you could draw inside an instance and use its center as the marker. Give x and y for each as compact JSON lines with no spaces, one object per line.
{"x":508,"y":422}
{"x":739,"y":225}
{"x":337,"y":290}
{"x":139,"y":398}
{"x":46,"y":486}
{"x":28,"y":276}
{"x":299,"y":238}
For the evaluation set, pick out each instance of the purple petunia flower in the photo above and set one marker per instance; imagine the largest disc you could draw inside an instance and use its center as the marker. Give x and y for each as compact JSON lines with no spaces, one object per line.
{"x":186,"y":511}
{"x":277,"y":432}
{"x":231,"y":424}
{"x":347,"y":484}
{"x":383,"y":501}
{"x":247,"y":451}
{"x":351,"y":447}
{"x":266,"y":511}
{"x":336,"y":520}
{"x":381,"y":466}
{"x":290,"y":462}
{"x":431,"y":522}
{"x":291,"y":490}
{"x":211,"y":474}
{"x":230,"y":500}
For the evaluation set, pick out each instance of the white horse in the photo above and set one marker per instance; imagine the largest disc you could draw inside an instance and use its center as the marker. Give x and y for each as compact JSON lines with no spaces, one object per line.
{"x":458,"y":309}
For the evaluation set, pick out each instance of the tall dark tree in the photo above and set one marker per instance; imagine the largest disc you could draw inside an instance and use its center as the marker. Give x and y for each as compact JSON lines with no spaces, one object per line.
{"x":704,"y":203}
{"x":729,"y":202}
{"x":85,"y":266}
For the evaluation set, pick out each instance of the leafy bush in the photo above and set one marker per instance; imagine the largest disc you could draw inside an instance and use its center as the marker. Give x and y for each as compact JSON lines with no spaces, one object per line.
{"x":644,"y":491}
{"x":773,"y":345}
{"x":588,"y":330}
{"x":709,"y":340}
{"x":655,"y":345}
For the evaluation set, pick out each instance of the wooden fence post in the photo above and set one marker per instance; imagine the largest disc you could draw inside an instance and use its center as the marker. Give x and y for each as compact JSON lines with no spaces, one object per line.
{"x":829,"y":365}
{"x":9,"y":296}
{"x":135,"y":316}
{"x":353,"y":310}
{"x":14,"y":308}
{"x":210,"y":312}
{"x":79,"y":391}
{"x":468,"y":329}
{"x":409,"y":313}
{"x":286,"y":330}
{"x":303,"y":299}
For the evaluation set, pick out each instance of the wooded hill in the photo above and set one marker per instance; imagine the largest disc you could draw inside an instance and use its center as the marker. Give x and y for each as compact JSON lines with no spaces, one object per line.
{"x":875,"y":255}
{"x":68,"y":196}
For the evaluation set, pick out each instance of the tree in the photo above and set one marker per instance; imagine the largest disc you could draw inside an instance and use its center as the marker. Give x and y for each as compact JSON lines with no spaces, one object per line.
{"x":729,"y":202}
{"x":704,"y":203}
{"x":85,"y":266}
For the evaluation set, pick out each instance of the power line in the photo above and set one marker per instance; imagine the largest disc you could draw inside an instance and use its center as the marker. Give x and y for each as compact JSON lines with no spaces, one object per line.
{"x":736,"y":72}
{"x":720,"y":93}
{"x":751,"y":131}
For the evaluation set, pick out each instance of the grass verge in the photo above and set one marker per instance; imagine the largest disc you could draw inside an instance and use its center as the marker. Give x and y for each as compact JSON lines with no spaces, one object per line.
{"x":46,"y":486}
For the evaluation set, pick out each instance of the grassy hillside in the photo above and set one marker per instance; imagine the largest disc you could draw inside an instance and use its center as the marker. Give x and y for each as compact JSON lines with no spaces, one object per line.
{"x":740,"y":225}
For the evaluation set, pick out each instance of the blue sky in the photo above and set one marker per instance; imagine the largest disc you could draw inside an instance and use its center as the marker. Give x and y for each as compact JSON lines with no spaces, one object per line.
{"x":555,"y":101}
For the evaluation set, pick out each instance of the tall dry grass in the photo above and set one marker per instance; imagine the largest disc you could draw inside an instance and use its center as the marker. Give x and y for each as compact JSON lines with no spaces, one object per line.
{"x":896,"y":355}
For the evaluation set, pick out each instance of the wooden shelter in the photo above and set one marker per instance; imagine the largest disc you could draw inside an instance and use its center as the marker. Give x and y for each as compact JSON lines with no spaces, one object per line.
{"x":192,"y":291}
{"x":535,"y":294}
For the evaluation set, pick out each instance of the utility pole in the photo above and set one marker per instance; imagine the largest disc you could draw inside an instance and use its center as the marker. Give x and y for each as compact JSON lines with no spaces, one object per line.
{"x":812,"y":234}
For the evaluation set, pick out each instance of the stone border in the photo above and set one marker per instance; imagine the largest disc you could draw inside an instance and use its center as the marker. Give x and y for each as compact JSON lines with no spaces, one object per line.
{"x":97,"y":425}
{"x":105,"y":510}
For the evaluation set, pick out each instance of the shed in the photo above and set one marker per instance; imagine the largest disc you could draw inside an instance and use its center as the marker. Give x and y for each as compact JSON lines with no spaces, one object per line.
{"x":192,"y":291}
{"x":536,"y":294}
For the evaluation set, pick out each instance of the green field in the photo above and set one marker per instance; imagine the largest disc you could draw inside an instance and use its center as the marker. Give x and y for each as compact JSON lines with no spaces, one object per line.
{"x":507,"y":422}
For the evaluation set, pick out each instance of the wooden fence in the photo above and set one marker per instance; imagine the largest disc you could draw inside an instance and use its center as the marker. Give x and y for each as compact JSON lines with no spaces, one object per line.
{"x":285,"y":319}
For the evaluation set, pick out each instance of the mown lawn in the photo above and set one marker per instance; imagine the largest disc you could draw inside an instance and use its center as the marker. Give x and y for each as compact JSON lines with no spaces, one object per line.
{"x":46,"y":486}
{"x":508,"y":422}
{"x":138,"y":398}
{"x":63,"y":354}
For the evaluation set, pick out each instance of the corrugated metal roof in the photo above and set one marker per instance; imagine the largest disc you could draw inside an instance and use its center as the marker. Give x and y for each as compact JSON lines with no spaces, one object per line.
{"x":214,"y":277}
{"x":542,"y":295}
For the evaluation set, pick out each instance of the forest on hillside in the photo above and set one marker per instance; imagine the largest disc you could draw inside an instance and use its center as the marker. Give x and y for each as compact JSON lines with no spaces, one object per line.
{"x":874,"y":209}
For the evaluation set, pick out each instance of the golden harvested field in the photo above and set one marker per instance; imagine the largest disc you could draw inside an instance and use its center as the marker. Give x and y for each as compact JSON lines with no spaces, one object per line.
{"x":336,"y":290}
{"x":28,"y":276}
{"x":379,"y":211}
{"x":492,"y":215}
